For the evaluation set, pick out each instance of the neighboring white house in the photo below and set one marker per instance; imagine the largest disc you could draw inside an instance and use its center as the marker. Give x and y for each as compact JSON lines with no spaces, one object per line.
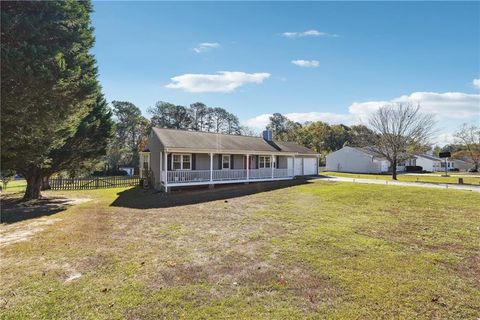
{"x":129,"y":170}
{"x":179,"y":158}
{"x":432,"y":163}
{"x":359,"y":160}
{"x":462,"y":165}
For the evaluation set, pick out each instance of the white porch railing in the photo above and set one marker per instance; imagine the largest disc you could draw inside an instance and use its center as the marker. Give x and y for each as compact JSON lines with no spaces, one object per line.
{"x":282,"y":173}
{"x":188,"y":176}
{"x":182,"y":176}
{"x":261,"y":173}
{"x":236,"y":174}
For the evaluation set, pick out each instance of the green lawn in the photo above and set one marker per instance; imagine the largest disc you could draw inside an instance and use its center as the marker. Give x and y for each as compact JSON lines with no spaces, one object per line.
{"x":16,"y":186}
{"x":317,"y":250}
{"x":472,"y":179}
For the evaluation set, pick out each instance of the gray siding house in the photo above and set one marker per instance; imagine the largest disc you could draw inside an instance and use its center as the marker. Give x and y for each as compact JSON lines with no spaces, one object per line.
{"x":179,"y":158}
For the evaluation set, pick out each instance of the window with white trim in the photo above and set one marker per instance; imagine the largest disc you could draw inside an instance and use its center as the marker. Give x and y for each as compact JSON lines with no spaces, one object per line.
{"x":181,"y":162}
{"x":225,"y":161}
{"x":264,"y":162}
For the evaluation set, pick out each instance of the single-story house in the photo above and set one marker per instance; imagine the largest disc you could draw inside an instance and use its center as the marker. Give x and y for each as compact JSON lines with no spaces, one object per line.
{"x":463,"y":165}
{"x":360,"y":160}
{"x":177,"y":158}
{"x":432,"y":163}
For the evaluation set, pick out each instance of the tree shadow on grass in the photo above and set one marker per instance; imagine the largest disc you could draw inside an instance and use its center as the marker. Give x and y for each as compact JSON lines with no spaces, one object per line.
{"x":138,"y":198}
{"x":15,"y":210}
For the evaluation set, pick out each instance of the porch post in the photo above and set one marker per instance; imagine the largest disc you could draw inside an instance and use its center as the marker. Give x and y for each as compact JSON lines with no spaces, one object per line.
{"x":293,"y":173}
{"x":271,"y":164}
{"x":248,"y":166}
{"x":160,"y":170}
{"x":165,"y":157}
{"x":141,"y":165}
{"x":211,"y":167}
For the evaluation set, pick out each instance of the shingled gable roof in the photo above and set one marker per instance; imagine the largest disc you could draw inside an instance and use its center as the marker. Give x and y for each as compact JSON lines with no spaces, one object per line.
{"x":371,"y":151}
{"x":429,"y":157}
{"x":196,"y":140}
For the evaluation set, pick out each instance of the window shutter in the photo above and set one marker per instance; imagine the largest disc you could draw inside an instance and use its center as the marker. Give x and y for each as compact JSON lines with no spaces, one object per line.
{"x":220,"y":166}
{"x":194,"y":160}
{"x":257,"y":159}
{"x":231,"y":161}
{"x":276,"y":162}
{"x":169,"y":162}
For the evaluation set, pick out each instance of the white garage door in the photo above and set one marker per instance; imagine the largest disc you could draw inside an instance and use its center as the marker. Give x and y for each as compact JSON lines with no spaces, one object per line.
{"x":310,"y":166}
{"x":298,"y":166}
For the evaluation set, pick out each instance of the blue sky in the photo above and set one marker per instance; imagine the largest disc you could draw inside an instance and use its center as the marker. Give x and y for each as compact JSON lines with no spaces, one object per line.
{"x":334,"y":62}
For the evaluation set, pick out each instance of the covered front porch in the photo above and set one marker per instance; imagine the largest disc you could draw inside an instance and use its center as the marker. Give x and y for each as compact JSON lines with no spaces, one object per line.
{"x":186,"y":169}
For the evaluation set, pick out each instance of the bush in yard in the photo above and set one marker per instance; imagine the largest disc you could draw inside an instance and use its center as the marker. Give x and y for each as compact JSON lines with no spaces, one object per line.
{"x":110,"y":173}
{"x":413,"y":168}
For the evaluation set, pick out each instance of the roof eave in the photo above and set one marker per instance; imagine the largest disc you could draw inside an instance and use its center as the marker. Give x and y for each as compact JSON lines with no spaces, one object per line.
{"x":218,"y":151}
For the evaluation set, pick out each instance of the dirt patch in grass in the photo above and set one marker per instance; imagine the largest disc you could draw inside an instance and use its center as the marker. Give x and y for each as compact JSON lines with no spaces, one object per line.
{"x":25,"y":232}
{"x":23,"y":219}
{"x":470,"y":269}
{"x":15,"y":210}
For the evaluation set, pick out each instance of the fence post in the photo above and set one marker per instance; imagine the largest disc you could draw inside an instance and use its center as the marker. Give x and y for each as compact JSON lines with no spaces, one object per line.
{"x":96,"y":182}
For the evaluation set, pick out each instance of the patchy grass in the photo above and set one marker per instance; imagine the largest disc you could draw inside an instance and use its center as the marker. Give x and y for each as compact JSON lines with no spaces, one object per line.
{"x":430,"y":178}
{"x":318,"y":250}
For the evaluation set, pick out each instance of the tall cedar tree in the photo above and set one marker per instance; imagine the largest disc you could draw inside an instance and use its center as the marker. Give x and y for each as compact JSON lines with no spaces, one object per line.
{"x":89,"y":142}
{"x":49,"y":82}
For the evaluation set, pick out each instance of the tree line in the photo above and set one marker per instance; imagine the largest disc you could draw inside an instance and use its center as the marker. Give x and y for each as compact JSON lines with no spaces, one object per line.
{"x":321,"y":136}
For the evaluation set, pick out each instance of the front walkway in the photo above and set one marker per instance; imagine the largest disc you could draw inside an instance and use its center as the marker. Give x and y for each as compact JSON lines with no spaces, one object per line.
{"x":402,"y":183}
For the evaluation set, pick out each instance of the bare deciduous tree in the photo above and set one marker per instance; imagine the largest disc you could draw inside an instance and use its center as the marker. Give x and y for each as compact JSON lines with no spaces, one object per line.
{"x":469,"y":137}
{"x":401,"y":128}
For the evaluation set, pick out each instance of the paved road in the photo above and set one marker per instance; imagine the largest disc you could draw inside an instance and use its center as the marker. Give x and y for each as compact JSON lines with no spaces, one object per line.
{"x":402,"y":183}
{"x":455,"y":174}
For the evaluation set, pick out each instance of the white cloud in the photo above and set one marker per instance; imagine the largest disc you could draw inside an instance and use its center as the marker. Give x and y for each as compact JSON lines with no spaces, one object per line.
{"x":446,"y":105}
{"x":222,"y":81}
{"x":476,"y":83}
{"x":306,"y":63}
{"x":261,"y":121}
{"x":258,"y":122}
{"x":308,"y":33}
{"x":443,"y":138}
{"x":329,"y":117}
{"x":205,"y":46}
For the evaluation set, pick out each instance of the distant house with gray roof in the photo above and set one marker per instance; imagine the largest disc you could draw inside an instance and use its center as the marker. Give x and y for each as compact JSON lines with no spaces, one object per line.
{"x":463,"y":164}
{"x":431,"y":163}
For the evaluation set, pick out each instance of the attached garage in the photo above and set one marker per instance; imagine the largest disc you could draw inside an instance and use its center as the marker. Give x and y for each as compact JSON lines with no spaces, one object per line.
{"x":309,"y":166}
{"x":303,"y":165}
